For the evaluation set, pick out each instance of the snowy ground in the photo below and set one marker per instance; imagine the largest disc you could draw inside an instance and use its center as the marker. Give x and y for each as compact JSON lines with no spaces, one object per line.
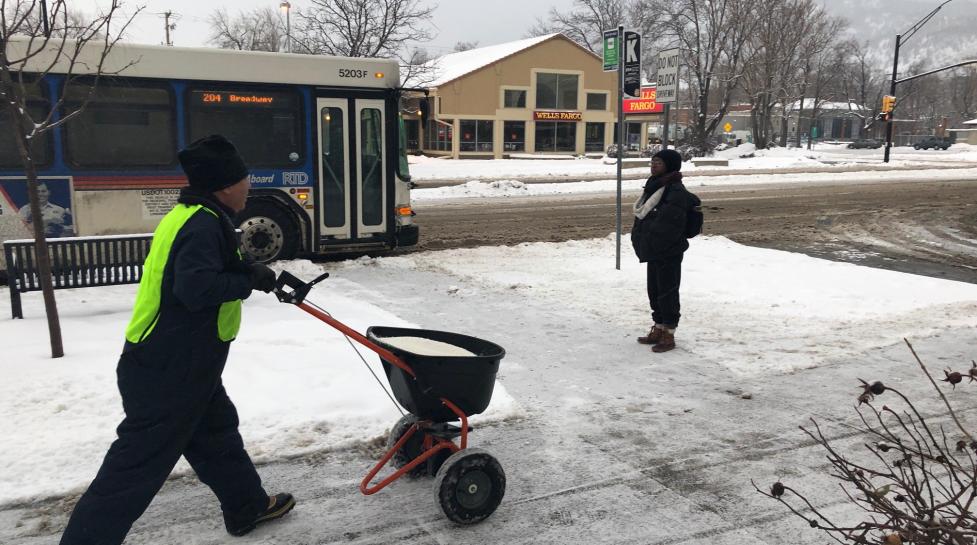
{"x":823,"y":155}
{"x":567,"y":319}
{"x":298,"y":385}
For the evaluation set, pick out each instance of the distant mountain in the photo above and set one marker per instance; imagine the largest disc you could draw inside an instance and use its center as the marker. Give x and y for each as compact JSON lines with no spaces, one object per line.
{"x":949,"y":37}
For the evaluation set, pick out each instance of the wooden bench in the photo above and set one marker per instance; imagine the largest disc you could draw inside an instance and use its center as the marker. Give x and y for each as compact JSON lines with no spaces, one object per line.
{"x":78,"y":262}
{"x":710,"y":162}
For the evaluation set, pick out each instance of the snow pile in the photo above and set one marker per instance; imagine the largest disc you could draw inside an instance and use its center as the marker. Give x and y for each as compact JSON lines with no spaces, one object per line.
{"x":298,"y":385}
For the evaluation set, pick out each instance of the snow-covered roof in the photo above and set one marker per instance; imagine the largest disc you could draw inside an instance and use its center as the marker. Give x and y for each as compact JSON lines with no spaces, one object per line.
{"x":971,"y":122}
{"x":809,"y":103}
{"x":455,"y":65}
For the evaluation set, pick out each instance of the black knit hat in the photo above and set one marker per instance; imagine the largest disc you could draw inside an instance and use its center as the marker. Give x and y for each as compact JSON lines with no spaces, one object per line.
{"x":212,"y":163}
{"x":671,"y":158}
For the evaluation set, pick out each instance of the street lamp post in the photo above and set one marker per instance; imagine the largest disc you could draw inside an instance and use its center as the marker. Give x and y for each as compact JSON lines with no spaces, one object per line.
{"x":901,"y":39}
{"x":286,"y":8}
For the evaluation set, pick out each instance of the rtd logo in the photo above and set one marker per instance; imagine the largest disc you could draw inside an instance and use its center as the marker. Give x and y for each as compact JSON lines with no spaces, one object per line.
{"x":295,"y":178}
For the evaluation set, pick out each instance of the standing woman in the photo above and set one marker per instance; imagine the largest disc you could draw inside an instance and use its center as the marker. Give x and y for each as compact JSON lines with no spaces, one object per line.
{"x":659,"y":239}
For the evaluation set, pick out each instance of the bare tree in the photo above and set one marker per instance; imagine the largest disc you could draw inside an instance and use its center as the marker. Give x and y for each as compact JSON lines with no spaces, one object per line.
{"x":364,"y":28}
{"x":818,"y":62}
{"x":27,"y":54}
{"x":586,"y":22}
{"x":864,"y":84}
{"x":260,"y":29}
{"x":465,"y":46}
{"x":713,"y":38}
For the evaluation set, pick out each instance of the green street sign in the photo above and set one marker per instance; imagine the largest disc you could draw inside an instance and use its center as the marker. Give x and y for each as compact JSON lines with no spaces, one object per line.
{"x":814,"y":131}
{"x":611,"y":50}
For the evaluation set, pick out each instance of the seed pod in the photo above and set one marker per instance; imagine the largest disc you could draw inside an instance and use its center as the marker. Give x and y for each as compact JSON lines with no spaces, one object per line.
{"x":877,"y":388}
{"x":900,"y":498}
{"x":952,"y":377}
{"x":893,"y":539}
{"x":864,"y":398}
{"x":883,"y":446}
{"x":813,"y":523}
{"x":961,"y":444}
{"x":777,"y":489}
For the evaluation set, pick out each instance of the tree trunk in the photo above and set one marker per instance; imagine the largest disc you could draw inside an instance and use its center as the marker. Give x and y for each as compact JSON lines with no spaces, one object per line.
{"x":40,"y":247}
{"x":783,"y":131}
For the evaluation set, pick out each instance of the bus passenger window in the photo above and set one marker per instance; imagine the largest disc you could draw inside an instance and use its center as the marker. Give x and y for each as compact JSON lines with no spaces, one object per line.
{"x":38,"y":107}
{"x":263,"y":125}
{"x":332,"y":140}
{"x":371,"y":163}
{"x":124,"y":124}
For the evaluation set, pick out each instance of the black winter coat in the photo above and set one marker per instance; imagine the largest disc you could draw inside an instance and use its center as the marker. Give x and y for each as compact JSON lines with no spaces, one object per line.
{"x":661,"y":233}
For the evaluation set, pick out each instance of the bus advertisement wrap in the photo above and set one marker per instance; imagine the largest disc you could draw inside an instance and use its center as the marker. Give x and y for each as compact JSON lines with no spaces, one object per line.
{"x":15,"y":211}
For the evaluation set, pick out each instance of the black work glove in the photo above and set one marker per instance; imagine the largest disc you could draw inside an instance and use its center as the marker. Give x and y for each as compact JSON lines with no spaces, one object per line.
{"x":262,"y":277}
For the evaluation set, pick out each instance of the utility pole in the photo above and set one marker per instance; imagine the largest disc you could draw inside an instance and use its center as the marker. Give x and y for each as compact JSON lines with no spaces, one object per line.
{"x":892,"y":92}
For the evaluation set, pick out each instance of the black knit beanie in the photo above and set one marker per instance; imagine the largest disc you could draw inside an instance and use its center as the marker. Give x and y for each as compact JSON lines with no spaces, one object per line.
{"x":671,"y":158}
{"x":212,"y":163}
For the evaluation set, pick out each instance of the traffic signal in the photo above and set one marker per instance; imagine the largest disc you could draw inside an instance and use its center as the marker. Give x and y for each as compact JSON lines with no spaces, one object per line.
{"x":888,"y":103}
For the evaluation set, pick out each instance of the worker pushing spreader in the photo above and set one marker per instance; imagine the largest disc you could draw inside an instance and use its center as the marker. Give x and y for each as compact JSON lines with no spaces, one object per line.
{"x":440,"y":378}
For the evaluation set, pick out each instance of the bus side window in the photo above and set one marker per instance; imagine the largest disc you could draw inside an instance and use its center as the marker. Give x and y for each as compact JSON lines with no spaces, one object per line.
{"x":126,"y":123}
{"x":38,"y":106}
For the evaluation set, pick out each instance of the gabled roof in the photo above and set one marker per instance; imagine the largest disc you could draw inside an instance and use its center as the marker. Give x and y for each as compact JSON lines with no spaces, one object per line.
{"x":971,"y":122}
{"x":451,"y":67}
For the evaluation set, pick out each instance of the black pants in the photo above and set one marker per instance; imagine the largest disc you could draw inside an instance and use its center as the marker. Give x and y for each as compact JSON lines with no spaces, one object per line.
{"x":664,"y":278}
{"x":172,"y":408}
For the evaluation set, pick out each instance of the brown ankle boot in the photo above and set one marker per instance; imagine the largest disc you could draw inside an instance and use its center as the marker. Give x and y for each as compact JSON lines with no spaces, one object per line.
{"x":653,"y":336}
{"x":666,"y":342}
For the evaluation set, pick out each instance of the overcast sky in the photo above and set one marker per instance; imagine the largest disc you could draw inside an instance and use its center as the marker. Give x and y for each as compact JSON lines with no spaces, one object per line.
{"x":487,"y":22}
{"x":949,"y":36}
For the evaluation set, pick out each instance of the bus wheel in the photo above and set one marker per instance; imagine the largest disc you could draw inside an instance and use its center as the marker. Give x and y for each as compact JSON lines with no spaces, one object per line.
{"x":268,"y":233}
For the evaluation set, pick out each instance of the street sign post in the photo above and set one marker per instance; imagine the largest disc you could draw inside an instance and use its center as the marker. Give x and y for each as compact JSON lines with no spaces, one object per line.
{"x":667,"y":93}
{"x":632,"y":65}
{"x":611,"y":50}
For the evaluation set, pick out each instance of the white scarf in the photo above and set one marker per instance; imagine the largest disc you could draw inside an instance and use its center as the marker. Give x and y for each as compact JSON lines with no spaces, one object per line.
{"x":641,"y":209}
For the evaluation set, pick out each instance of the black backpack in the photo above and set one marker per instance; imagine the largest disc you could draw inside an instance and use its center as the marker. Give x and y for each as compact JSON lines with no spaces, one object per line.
{"x":694,"y":218}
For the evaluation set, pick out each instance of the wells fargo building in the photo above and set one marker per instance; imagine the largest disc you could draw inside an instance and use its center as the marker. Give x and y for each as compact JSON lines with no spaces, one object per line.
{"x":544,"y":95}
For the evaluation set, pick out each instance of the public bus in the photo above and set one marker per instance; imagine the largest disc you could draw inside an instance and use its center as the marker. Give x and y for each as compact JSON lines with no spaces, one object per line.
{"x":322,"y":136}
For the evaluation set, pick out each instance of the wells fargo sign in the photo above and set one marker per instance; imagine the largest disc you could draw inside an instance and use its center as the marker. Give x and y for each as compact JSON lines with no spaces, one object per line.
{"x":557,"y":116}
{"x":644,"y":105}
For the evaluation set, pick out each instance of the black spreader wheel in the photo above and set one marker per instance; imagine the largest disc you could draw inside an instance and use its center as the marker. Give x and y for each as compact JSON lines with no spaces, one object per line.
{"x":411,"y":449}
{"x":469,"y":486}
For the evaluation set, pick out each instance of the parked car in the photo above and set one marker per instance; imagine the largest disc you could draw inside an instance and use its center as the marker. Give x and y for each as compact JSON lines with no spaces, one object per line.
{"x":647,"y":152}
{"x":932,"y":142}
{"x":866,"y":143}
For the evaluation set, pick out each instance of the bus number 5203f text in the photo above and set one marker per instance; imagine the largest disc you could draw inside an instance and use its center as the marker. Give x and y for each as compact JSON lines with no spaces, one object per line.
{"x":345,"y":73}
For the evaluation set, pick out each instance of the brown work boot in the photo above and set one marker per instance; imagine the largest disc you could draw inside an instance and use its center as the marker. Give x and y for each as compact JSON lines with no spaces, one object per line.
{"x":666,"y":342}
{"x":653,"y":336}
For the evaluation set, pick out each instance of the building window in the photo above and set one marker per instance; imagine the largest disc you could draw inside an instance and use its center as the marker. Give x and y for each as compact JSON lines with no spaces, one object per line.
{"x":556,"y":136}
{"x":514,"y":138}
{"x":597,"y":101}
{"x":476,"y":135}
{"x":264,"y":125}
{"x":123,"y":125}
{"x":437,"y":136}
{"x":594,"y":137}
{"x":514,"y":98}
{"x":557,"y":91}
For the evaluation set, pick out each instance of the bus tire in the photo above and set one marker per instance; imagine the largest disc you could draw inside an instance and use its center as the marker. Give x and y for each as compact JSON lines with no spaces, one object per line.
{"x":268,"y":232}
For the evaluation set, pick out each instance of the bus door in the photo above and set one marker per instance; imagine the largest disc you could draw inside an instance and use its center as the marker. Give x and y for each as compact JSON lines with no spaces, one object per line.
{"x":352,"y":166}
